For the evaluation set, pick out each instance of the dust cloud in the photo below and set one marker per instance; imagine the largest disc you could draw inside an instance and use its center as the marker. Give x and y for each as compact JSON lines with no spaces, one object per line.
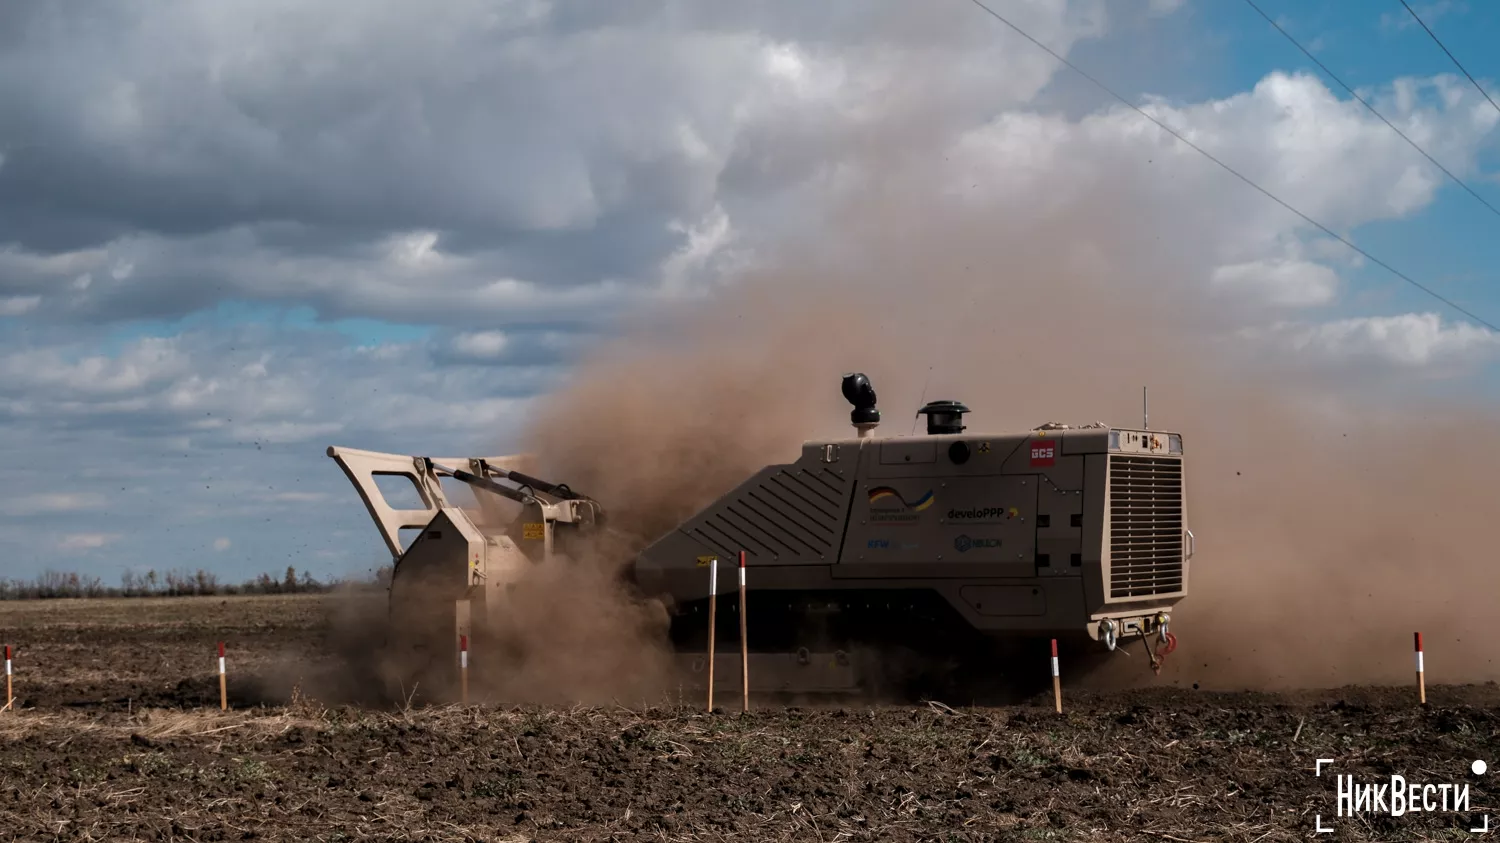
{"x":575,"y":634}
{"x":1333,"y":516}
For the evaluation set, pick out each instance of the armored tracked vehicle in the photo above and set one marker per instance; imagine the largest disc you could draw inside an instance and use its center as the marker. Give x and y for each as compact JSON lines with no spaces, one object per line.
{"x":872,"y":563}
{"x":942,"y":548}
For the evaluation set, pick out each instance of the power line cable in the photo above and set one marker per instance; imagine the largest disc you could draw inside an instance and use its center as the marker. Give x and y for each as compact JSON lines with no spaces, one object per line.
{"x":1268,"y":194}
{"x":1450,"y":55}
{"x":1334,"y":77}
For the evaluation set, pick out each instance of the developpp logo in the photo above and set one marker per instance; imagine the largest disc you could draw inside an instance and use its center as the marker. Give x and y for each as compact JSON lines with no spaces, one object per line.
{"x":982,"y":514}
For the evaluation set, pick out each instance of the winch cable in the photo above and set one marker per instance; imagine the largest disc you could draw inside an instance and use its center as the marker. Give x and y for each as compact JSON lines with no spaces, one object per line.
{"x":1155,"y":662}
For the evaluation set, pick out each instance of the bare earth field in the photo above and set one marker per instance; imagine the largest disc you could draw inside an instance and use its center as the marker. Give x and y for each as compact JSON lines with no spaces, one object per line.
{"x":116,"y":735}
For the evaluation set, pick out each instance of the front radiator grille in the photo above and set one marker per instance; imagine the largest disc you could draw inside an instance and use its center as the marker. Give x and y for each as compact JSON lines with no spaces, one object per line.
{"x":1145,"y":526}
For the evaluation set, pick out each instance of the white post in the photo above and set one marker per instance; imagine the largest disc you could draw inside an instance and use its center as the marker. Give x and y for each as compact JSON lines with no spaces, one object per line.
{"x":713,"y":622}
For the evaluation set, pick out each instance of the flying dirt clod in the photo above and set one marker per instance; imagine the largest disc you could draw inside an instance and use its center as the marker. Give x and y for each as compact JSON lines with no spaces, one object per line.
{"x":878,"y":565}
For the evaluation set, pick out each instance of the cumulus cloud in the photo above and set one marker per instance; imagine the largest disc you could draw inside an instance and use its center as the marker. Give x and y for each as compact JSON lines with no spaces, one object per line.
{"x":17,"y":305}
{"x":158,"y":182}
{"x":1407,"y":340}
{"x":148,"y":363}
{"x":86,"y":541}
{"x":1327,"y":157}
{"x":53,"y":502}
{"x":485,"y":345}
{"x":239,"y":388}
{"x":1286,"y":282}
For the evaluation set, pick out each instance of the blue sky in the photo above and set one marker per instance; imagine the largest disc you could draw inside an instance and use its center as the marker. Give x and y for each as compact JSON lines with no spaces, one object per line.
{"x":220,"y":261}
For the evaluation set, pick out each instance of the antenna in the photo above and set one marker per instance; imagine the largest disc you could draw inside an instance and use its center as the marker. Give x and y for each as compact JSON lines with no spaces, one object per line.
{"x":1145,"y":410}
{"x":925,"y":384}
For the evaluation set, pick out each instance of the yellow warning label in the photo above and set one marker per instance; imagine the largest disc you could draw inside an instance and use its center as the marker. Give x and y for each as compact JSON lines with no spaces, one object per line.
{"x":705,"y":561}
{"x":533,"y":531}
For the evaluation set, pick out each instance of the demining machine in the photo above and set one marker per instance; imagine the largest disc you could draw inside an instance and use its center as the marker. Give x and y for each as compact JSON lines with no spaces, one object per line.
{"x":868,"y":559}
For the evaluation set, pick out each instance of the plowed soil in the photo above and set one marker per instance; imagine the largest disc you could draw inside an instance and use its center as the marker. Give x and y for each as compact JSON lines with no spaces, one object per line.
{"x":117,"y":735}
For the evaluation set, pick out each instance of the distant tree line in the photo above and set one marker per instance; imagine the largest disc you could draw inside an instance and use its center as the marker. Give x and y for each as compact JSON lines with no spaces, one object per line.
{"x":56,"y":585}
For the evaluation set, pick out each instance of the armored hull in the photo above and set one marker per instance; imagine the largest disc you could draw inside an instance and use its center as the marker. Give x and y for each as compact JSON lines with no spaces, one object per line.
{"x":950,"y":544}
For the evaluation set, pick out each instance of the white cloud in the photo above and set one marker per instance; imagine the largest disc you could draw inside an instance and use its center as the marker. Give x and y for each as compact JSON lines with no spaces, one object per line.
{"x":1407,"y":340}
{"x":18,"y":305}
{"x":289,"y":431}
{"x":1327,"y":157}
{"x":52,"y":502}
{"x":483,"y":345}
{"x":222,"y":544}
{"x":256,"y":386}
{"x":431,"y":191}
{"x":1285,"y":283}
{"x":86,"y":541}
{"x":695,"y":260}
{"x":144,"y":363}
{"x":299,"y":497}
{"x":1428,"y":12}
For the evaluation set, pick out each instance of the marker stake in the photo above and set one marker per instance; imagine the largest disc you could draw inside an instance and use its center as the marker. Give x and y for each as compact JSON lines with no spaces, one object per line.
{"x":744,"y":642}
{"x":223,"y":681}
{"x":1421,"y":675}
{"x":10,"y":697}
{"x":463,"y":668}
{"x":1056,"y":679}
{"x":713,"y":613}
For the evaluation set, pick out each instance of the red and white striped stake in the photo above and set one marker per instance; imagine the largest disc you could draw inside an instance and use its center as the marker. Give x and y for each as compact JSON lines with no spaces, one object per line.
{"x":713,"y":621}
{"x":9,"y":697}
{"x":463,"y":668}
{"x":223,"y":683}
{"x":744,"y":642}
{"x":1421,"y":677}
{"x":1056,"y":679}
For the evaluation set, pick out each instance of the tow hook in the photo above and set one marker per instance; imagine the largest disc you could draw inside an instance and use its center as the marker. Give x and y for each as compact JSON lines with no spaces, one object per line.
{"x":1166,"y":642}
{"x":1107,"y":632}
